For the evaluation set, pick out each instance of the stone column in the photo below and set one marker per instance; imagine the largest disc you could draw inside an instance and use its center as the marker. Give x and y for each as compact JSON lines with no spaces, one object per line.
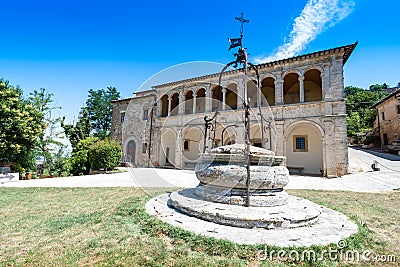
{"x":330,"y":151}
{"x":279,"y":139}
{"x":301,"y":81}
{"x":169,"y":104}
{"x":240,"y":94}
{"x":223,"y":99}
{"x":240,"y":134}
{"x":180,"y":104}
{"x":178,"y":151}
{"x":194,"y":102}
{"x":208,"y":100}
{"x":323,"y":85}
{"x":326,"y":88}
{"x":159,"y":107}
{"x":279,"y":92}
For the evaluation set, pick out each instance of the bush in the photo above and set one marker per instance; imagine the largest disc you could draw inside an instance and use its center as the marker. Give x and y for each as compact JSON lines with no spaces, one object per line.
{"x":105,"y":155}
{"x":80,"y":160}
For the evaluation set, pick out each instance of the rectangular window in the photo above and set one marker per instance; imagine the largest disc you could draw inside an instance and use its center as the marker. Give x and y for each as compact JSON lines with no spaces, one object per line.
{"x":383,"y":115}
{"x":122,"y":116}
{"x":398,"y":109}
{"x":300,"y":143}
{"x":186,"y":145}
{"x":145,"y":114}
{"x":144,"y":148}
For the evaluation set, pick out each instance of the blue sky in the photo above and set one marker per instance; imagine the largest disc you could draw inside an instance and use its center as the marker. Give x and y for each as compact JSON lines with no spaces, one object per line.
{"x":71,"y":46}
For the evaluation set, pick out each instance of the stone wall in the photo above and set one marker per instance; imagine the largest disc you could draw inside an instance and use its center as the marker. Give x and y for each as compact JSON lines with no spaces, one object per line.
{"x":390,"y":125}
{"x":327,"y":116}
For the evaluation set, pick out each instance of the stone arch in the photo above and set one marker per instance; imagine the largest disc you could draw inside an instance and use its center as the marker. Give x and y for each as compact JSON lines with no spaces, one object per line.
{"x":268,"y":91}
{"x":167,"y":148}
{"x":216,"y":97}
{"x":188,"y":100}
{"x":174,"y":103}
{"x":320,"y":69}
{"x":164,"y":105}
{"x":229,"y":134}
{"x":304,"y":147}
{"x":291,"y":88}
{"x":268,"y":75}
{"x":130,"y":150}
{"x":312,"y":85}
{"x":291,"y":71}
{"x":201,"y":100}
{"x":231,"y":96}
{"x":192,"y":145}
{"x":252,"y":91}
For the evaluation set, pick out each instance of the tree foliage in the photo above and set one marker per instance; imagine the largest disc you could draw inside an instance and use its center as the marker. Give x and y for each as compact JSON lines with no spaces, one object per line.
{"x":105,"y":155}
{"x":79,"y":131}
{"x":360,"y":116}
{"x":48,"y":144}
{"x":80,"y":164}
{"x":99,"y":106}
{"x":21,"y":123}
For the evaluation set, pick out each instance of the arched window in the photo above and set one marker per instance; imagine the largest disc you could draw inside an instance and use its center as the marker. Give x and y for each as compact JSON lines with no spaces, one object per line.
{"x":188,"y":102}
{"x":252,"y":93}
{"x":231,"y":96}
{"x":174,"y":104}
{"x":268,"y":92}
{"x":164,"y":106}
{"x":131,"y":151}
{"x":312,"y":86}
{"x":291,"y":89}
{"x":201,"y":100}
{"x":216,"y":99}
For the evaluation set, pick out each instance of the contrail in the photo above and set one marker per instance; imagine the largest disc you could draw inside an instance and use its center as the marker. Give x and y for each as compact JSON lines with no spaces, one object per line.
{"x":316,"y":17}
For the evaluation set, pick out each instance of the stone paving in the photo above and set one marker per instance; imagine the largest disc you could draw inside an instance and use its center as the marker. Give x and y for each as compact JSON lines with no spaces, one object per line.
{"x":384,"y":180}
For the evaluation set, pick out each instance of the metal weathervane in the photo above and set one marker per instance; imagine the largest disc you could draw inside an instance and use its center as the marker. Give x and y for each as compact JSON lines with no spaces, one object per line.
{"x":241,"y":59}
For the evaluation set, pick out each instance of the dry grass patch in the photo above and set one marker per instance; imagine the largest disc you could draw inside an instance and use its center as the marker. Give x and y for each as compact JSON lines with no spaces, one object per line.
{"x":108,"y":226}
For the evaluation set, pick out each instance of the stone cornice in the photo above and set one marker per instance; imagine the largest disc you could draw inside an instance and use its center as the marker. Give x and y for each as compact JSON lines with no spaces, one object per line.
{"x":343,"y":51}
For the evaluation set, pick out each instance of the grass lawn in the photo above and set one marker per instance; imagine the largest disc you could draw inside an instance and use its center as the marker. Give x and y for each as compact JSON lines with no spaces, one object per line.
{"x":108,"y":227}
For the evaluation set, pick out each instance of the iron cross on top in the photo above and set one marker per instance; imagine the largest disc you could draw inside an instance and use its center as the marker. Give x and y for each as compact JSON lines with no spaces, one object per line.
{"x":242,"y":21}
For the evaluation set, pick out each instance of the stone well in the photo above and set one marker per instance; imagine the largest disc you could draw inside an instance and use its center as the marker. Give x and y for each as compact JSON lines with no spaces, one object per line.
{"x":221,"y":194}
{"x":216,"y":207}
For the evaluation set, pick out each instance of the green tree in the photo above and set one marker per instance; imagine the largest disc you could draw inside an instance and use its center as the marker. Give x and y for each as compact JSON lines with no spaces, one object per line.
{"x":105,"y":155}
{"x":79,"y":131}
{"x":99,"y":105}
{"x":21,"y":123}
{"x":60,"y":164}
{"x":80,"y":164}
{"x":360,"y":116}
{"x":48,"y":144}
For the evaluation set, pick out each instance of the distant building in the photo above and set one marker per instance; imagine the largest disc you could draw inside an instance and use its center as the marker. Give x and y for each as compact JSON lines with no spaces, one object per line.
{"x":387,"y":122}
{"x":304,"y":96}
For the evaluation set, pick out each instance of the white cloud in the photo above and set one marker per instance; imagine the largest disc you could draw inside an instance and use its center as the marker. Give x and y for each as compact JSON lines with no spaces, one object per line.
{"x":316,"y":17}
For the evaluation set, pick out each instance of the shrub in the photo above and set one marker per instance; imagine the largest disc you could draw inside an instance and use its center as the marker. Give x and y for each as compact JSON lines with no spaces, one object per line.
{"x":105,"y":154}
{"x":80,"y":160}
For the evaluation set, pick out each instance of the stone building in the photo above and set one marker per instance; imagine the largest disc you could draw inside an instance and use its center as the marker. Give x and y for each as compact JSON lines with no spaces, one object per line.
{"x":387,"y":122}
{"x":301,"y":98}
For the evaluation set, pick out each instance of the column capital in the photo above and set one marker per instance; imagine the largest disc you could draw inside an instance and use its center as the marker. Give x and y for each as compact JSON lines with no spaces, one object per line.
{"x":301,"y":77}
